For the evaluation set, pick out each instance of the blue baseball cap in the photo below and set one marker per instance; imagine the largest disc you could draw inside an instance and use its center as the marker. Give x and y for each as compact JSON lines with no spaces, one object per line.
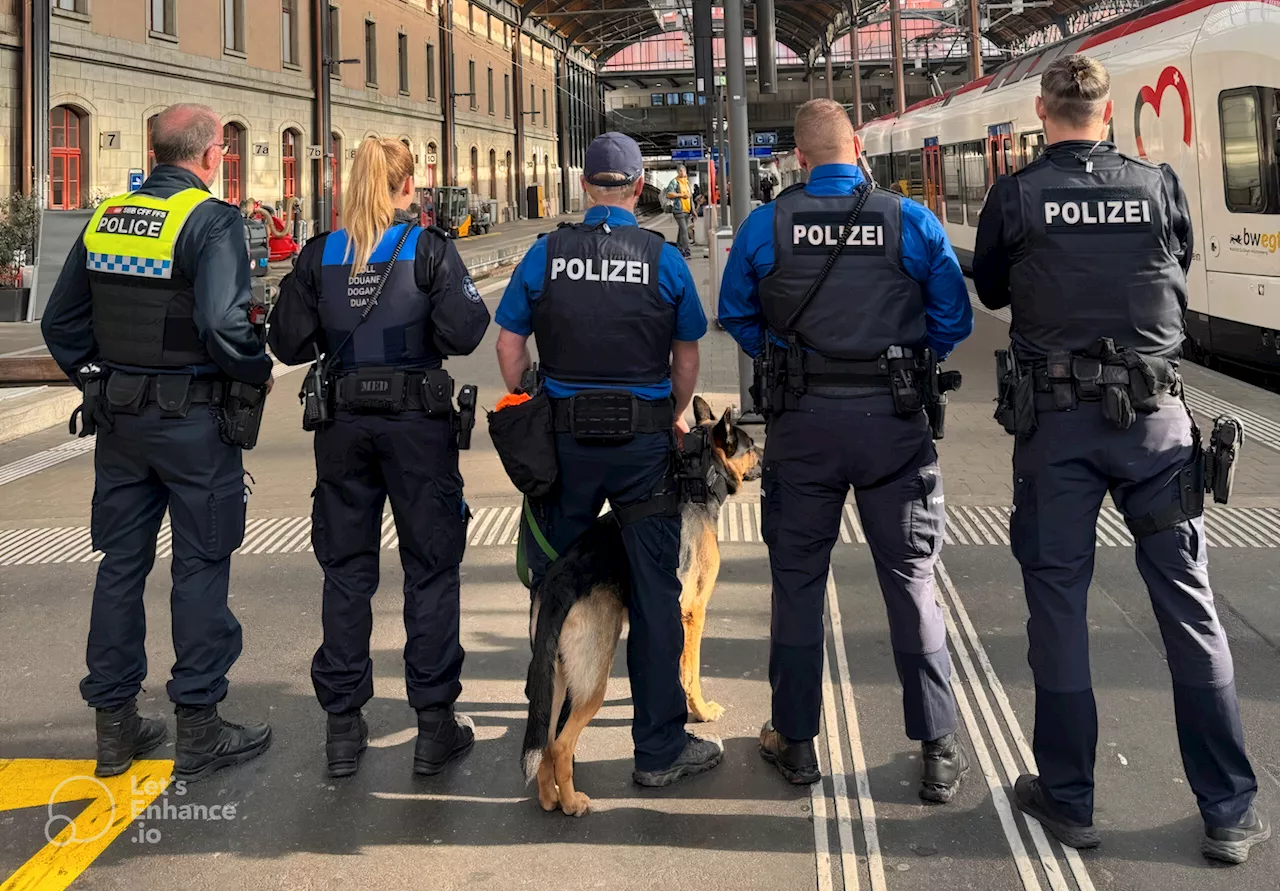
{"x":613,"y":159}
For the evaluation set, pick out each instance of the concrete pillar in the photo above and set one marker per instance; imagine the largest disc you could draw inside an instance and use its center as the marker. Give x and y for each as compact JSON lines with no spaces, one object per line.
{"x":855,"y":55}
{"x":736,"y":77}
{"x":831,"y":82}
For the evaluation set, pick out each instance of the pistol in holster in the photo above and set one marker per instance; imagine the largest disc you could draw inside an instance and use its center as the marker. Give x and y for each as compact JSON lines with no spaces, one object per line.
{"x":94,"y":412}
{"x":940,"y":383}
{"x":240,"y":415}
{"x":905,"y":385}
{"x":464,"y":420}
{"x":764,"y":373}
{"x":1220,"y":460}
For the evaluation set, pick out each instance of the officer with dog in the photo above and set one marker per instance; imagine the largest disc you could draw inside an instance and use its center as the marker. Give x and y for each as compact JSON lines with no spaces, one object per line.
{"x":151,"y":319}
{"x":385,"y":302}
{"x":617,"y":319}
{"x":847,"y":296}
{"x":1090,"y":250}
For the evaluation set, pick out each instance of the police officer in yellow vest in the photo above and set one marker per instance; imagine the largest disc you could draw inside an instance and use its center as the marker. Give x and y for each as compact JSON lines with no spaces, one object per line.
{"x":150,"y":318}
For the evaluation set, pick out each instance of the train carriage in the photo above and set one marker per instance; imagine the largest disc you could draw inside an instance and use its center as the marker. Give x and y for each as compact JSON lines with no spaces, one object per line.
{"x":1196,"y":83}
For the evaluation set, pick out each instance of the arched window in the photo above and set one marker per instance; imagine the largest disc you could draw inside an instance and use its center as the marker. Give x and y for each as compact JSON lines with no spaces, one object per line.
{"x":151,"y":152}
{"x":511,"y":198}
{"x":493,"y":174}
{"x":289,"y":163}
{"x":233,"y":140}
{"x":335,"y":151}
{"x":432,"y":160}
{"x":475,"y":172}
{"x":67,"y":179}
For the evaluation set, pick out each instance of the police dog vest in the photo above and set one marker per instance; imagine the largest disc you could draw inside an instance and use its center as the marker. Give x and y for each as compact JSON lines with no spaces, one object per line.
{"x":142,"y":305}
{"x":602,"y":318}
{"x":868,"y":303}
{"x":398,"y":331}
{"x":1092,"y":257}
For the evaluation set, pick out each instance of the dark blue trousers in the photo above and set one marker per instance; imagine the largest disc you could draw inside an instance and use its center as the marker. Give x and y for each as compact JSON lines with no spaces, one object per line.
{"x":146,"y":465}
{"x":812,"y":457}
{"x":625,"y":475}
{"x":1061,"y":475}
{"x":361,"y":461}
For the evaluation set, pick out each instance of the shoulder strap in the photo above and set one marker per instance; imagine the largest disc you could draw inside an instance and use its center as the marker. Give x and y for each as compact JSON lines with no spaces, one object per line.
{"x":373,"y":301}
{"x":865,"y":192}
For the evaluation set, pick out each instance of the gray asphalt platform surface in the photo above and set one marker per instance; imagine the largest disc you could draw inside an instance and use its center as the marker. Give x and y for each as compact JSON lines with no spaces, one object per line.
{"x":478,"y":826}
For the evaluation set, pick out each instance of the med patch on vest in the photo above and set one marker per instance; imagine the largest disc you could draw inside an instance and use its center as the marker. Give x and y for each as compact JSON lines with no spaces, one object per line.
{"x":143,"y":222}
{"x":1096,"y":211}
{"x":818,"y":232}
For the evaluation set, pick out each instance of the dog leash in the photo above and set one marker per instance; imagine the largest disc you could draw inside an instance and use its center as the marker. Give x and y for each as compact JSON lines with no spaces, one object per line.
{"x":522,"y":560}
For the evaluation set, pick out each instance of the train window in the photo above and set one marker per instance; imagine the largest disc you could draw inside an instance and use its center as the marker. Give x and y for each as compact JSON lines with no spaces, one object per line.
{"x":974,"y":160}
{"x":952,"y":183}
{"x":915,"y":176}
{"x":1001,"y":75}
{"x":1249,"y":162}
{"x":1032,"y":147}
{"x":1022,"y":68}
{"x":881,"y":171}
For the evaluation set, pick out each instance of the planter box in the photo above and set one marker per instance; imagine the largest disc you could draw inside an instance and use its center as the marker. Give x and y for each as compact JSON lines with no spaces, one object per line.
{"x":13,"y":304}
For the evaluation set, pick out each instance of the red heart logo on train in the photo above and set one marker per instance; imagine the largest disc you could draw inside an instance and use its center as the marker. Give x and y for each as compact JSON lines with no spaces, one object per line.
{"x":1170,"y":77}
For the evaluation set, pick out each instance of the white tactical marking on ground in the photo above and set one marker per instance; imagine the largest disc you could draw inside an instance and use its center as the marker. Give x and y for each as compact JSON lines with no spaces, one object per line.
{"x":1257,"y":428}
{"x":740,"y":522}
{"x":46,"y":459}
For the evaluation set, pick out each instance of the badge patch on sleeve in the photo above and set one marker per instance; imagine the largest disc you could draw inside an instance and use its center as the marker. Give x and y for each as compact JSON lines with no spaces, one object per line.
{"x":470,"y":289}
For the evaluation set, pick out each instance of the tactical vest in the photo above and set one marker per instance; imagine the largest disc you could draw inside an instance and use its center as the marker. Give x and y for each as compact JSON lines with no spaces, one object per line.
{"x":398,"y":331}
{"x":602,"y":317}
{"x":1092,"y":259}
{"x":868,"y":302}
{"x":142,"y":305}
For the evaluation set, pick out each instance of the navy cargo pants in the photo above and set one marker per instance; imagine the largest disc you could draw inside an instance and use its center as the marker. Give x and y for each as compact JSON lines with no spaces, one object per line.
{"x":361,"y":460}
{"x":813,"y":455}
{"x":1061,"y":475}
{"x":143,"y":466}
{"x":627,"y":474}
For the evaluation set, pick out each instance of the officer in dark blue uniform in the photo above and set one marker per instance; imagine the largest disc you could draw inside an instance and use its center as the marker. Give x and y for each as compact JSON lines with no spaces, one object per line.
{"x":385,"y":302}
{"x":843,"y":368}
{"x":1090,"y":248}
{"x":616,"y":315}
{"x":150,"y":318}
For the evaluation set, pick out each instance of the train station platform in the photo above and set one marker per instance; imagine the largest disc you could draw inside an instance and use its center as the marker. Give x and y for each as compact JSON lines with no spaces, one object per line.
{"x":478,"y":826}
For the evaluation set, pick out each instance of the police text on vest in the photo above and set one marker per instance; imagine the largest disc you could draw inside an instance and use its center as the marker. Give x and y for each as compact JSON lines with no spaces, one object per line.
{"x":829,"y":236}
{"x":631,"y":272}
{"x":142,"y":222}
{"x":1091,"y":213}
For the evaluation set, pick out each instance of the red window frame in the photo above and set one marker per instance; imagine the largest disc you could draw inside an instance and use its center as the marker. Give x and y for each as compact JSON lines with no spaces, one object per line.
{"x":289,"y":164}
{"x":64,"y":158}
{"x":233,"y":138}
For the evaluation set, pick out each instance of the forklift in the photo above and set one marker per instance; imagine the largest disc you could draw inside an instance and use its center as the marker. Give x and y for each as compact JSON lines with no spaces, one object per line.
{"x":453,"y":213}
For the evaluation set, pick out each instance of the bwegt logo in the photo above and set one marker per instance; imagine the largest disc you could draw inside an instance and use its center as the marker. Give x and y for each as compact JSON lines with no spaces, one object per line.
{"x":149,"y":802}
{"x":1268,"y":240}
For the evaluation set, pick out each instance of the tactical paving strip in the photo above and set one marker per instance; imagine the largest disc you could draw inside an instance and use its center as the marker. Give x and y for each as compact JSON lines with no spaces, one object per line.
{"x":46,"y":459}
{"x":967,"y":525}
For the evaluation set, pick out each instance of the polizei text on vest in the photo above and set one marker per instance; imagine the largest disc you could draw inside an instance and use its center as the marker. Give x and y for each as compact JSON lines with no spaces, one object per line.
{"x":818,"y":236}
{"x":634,"y":272}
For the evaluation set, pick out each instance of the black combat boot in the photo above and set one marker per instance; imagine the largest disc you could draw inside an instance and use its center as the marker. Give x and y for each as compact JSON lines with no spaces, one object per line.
{"x":796,"y":760}
{"x":207,"y":743}
{"x":123,"y":735}
{"x":699,"y":755}
{"x":442,"y":737}
{"x":1231,"y":844}
{"x":1030,"y":797}
{"x":945,"y":764}
{"x":346,"y":739}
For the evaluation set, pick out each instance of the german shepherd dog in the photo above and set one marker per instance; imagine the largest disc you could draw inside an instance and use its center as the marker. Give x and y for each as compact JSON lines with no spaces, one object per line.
{"x":579,"y":609}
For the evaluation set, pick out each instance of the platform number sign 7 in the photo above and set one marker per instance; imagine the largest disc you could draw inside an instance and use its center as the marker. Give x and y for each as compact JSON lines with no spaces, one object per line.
{"x":109,"y":139}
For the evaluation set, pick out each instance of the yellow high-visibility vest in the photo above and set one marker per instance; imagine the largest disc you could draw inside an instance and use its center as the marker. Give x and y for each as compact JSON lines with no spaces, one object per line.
{"x":135,"y":234}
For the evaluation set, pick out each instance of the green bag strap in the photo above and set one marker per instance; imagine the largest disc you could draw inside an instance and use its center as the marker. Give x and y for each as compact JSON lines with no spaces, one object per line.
{"x":522,"y":560}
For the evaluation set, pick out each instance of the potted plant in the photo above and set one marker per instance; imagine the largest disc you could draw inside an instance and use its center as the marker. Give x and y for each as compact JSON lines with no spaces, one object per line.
{"x":19,"y":223}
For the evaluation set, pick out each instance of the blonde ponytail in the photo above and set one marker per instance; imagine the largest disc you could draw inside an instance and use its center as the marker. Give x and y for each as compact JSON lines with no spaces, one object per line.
{"x":380,"y":168}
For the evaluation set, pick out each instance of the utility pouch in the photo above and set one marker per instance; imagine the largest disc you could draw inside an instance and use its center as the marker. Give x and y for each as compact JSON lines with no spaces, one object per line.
{"x":317,"y":410}
{"x":1224,"y":448}
{"x":173,"y":395}
{"x":1025,"y":422}
{"x":793,"y":376}
{"x":1060,"y":380}
{"x":693,"y":467}
{"x":126,"y":393}
{"x":603,"y":417}
{"x":1006,"y":384}
{"x":1144,"y":388}
{"x":1117,"y":406}
{"x":93,"y":412}
{"x":762,"y":383}
{"x":240,"y":415}
{"x":904,"y":382}
{"x":1087,"y":372}
{"x":437,"y":393}
{"x":524,"y":437}
{"x":373,"y":390}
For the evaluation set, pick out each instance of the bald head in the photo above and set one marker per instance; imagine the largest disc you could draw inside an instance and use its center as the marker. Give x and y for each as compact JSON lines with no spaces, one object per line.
{"x":182,"y":133}
{"x":824,"y":134}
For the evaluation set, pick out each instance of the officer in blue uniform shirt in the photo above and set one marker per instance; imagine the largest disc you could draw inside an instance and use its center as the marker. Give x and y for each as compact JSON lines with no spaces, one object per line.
{"x":837,"y":422}
{"x":1090,"y":249}
{"x":156,"y":292}
{"x":614,"y":310}
{"x":391,"y":437}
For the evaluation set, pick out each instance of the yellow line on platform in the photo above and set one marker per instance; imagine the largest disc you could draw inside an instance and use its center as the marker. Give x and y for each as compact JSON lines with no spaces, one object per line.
{"x":73,"y":844}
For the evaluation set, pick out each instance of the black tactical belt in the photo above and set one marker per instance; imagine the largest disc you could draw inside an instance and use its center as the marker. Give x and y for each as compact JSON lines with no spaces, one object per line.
{"x":200,"y":391}
{"x":404,"y":393}
{"x":845,"y":377}
{"x":649,"y":415}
